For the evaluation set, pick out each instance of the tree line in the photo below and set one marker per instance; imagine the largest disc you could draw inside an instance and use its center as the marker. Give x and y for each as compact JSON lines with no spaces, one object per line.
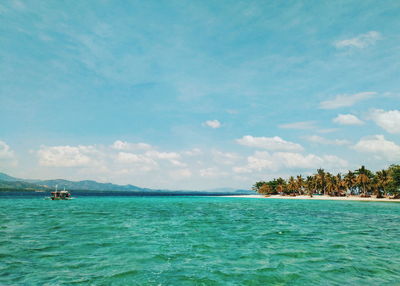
{"x":361,"y":182}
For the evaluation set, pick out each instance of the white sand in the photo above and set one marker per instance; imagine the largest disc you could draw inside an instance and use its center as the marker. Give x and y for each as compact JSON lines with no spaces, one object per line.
{"x":349,"y":198}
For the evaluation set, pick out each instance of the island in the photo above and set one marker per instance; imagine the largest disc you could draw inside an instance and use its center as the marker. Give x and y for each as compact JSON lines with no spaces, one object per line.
{"x":360,"y":184}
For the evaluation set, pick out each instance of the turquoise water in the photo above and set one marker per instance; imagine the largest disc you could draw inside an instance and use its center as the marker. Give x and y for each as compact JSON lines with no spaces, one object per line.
{"x":198,"y":241}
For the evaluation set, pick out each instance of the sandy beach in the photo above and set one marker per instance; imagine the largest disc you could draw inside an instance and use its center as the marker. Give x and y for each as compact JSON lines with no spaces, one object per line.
{"x":349,"y":198}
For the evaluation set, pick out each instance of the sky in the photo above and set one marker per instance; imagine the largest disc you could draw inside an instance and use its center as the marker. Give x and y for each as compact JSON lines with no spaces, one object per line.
{"x":197,"y":94}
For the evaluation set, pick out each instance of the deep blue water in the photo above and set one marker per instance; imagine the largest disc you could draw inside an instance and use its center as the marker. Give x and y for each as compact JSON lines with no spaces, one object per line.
{"x":32,"y":194}
{"x":197,"y":241}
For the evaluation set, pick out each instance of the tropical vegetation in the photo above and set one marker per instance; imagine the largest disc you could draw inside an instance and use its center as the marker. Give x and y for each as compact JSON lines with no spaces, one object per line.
{"x":361,"y":182}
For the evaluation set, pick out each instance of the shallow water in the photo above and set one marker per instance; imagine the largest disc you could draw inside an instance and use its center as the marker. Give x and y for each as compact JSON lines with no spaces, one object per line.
{"x":198,"y":241}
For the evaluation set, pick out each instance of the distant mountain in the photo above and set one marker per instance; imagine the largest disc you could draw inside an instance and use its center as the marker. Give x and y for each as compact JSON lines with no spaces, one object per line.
{"x":20,"y":185}
{"x":87,"y":185}
{"x":228,"y":190}
{"x":9,"y":182}
{"x":7,"y":178}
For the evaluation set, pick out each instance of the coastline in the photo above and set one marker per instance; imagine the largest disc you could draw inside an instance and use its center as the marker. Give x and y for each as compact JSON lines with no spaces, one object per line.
{"x":327,"y":198}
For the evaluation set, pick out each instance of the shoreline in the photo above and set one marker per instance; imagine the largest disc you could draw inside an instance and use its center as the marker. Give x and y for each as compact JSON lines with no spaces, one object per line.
{"x":316,"y":198}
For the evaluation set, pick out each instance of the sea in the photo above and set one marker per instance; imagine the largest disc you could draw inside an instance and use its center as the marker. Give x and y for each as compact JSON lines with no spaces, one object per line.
{"x":197,"y":240}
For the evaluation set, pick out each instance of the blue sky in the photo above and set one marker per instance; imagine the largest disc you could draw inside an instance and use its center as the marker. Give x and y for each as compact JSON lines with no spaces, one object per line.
{"x":197,"y":94}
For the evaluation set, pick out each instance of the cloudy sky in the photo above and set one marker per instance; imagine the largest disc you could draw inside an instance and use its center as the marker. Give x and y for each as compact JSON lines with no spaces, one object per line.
{"x":197,"y":94}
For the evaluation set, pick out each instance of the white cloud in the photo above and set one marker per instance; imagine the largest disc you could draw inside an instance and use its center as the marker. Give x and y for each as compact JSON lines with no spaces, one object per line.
{"x":380,"y":147}
{"x":150,"y":155}
{"x":123,"y":145}
{"x":259,"y":161}
{"x":361,"y":41}
{"x":163,"y":155}
{"x":193,"y":169}
{"x":172,"y":157}
{"x":347,"y":119}
{"x":327,"y":130}
{"x":270,"y":143}
{"x":67,"y":156}
{"x":345,"y":100}
{"x":310,"y":161}
{"x":322,"y":140}
{"x":145,"y":163}
{"x":5,"y":151}
{"x":213,"y":123}
{"x":388,"y":120}
{"x":111,"y":158}
{"x":225,"y":158}
{"x":265,"y":161}
{"x":192,"y":152}
{"x":299,"y":125}
{"x":213,"y":172}
{"x":7,"y":155}
{"x":180,"y":174}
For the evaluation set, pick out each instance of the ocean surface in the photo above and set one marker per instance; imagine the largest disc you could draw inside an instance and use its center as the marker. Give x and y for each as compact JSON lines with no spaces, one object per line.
{"x":197,"y":241}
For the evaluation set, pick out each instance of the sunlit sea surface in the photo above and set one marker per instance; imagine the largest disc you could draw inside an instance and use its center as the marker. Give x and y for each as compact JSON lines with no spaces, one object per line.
{"x":198,"y":241}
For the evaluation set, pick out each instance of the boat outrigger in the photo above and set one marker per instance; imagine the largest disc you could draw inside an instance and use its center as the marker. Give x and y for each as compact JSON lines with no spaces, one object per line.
{"x":60,"y":195}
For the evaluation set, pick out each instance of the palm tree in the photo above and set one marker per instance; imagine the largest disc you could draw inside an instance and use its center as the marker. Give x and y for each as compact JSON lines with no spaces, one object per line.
{"x":292,"y":186}
{"x":310,"y":185}
{"x":363,"y":179}
{"x":350,"y":180}
{"x":382,"y":180}
{"x":321,"y":181}
{"x":341,"y":185}
{"x":300,"y":184}
{"x":331,"y":184}
{"x":394,"y":185}
{"x":281,"y":185}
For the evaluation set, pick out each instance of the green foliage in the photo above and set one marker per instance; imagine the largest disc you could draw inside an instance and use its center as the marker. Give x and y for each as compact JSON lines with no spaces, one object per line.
{"x":269,"y":187}
{"x":264,"y":189}
{"x":394,"y":184}
{"x":361,"y":181}
{"x":256,"y":187}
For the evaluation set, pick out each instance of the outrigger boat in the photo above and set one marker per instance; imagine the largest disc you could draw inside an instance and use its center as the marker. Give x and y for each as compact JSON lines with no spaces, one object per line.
{"x":60,"y":195}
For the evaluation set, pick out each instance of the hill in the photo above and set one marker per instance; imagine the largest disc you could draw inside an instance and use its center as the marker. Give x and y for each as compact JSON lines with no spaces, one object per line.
{"x":9,"y":182}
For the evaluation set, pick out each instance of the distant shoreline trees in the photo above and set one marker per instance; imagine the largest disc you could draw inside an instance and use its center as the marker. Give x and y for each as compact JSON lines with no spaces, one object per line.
{"x":361,"y":182}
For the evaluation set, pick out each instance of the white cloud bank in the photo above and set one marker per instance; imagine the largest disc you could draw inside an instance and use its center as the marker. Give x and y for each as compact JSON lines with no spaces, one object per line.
{"x":283,"y":156}
{"x":225,"y":158}
{"x":123,"y":145}
{"x":5,"y":151}
{"x":322,"y":140}
{"x":378,"y":146}
{"x":347,"y":119}
{"x":298,"y":125}
{"x":360,"y":41}
{"x":67,"y":156}
{"x":213,"y":172}
{"x":212,"y":123}
{"x":265,"y":161}
{"x":147,"y":166}
{"x":7,"y":155}
{"x":388,"y":120}
{"x":345,"y":100}
{"x":270,"y":143}
{"x":121,"y":162}
{"x":138,"y":162}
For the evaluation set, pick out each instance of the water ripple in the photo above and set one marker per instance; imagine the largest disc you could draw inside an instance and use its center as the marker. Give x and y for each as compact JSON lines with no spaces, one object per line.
{"x":198,"y":241}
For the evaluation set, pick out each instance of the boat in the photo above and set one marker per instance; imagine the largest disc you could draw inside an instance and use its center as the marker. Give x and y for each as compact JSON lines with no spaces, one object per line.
{"x":60,"y":195}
